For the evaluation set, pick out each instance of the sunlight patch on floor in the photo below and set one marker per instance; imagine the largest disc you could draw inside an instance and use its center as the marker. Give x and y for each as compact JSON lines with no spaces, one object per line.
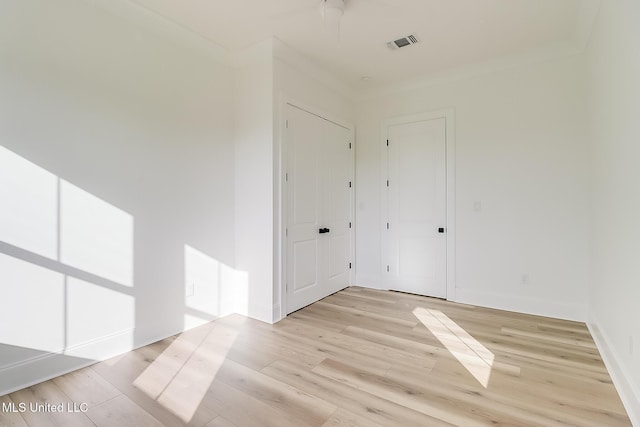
{"x":474,"y":356}
{"x":180,"y":377}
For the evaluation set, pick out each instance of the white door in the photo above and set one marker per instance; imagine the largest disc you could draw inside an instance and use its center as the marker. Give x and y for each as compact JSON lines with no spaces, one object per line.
{"x":319,"y":204}
{"x":416,"y":196}
{"x":337,"y":189}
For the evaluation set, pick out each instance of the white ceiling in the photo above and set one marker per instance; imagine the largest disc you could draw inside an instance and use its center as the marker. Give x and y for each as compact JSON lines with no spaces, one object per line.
{"x":454,"y":33}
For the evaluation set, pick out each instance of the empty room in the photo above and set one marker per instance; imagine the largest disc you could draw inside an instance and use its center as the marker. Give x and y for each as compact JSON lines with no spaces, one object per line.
{"x":319,"y":213}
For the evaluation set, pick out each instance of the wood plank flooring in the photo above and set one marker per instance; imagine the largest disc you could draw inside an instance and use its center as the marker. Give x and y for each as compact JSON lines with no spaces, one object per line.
{"x":360,"y":357}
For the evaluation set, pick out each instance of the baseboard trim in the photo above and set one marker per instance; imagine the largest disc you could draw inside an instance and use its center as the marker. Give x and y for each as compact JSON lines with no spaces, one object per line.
{"x":276,"y":315}
{"x":262,"y":313}
{"x":48,"y":365}
{"x":368,"y":281}
{"x":527,"y":305}
{"x":629,"y":394}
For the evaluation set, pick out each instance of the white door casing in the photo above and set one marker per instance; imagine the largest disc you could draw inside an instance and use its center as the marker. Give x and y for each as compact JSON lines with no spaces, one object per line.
{"x":418,"y":225}
{"x":319,"y":195}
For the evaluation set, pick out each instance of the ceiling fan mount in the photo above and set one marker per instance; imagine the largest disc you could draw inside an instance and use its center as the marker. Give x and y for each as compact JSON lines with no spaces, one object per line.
{"x":332,"y":11}
{"x":338,"y":5}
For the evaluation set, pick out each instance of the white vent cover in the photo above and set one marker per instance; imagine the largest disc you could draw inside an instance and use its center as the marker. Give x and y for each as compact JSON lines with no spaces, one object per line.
{"x":403,"y":42}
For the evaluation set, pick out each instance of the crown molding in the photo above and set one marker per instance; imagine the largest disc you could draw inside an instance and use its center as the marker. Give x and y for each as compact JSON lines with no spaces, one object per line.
{"x":157,"y":23}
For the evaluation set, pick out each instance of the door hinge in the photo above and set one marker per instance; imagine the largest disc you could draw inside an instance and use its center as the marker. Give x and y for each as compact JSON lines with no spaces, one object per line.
{"x":286,"y":232}
{"x":286,"y":177}
{"x":349,"y":225}
{"x":387,"y":268}
{"x":387,"y":226}
{"x":286,"y":124}
{"x":387,"y":183}
{"x":349,"y":265}
{"x":349,"y":146}
{"x":387,"y":142}
{"x":349,"y":184}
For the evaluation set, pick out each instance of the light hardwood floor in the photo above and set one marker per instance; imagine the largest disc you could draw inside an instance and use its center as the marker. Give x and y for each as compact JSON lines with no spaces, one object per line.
{"x":357,"y":358}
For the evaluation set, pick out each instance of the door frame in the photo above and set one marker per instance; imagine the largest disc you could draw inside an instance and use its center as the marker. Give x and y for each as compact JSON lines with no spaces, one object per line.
{"x":281,"y":240}
{"x":450,"y":174}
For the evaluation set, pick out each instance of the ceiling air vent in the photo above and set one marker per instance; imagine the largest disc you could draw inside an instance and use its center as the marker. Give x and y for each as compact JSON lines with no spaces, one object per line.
{"x":403,"y":42}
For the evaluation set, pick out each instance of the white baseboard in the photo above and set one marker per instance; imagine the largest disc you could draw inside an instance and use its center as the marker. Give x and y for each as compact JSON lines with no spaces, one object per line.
{"x":629,"y":393}
{"x":263,"y":313}
{"x":276,"y":315}
{"x":528,"y":305}
{"x":369,"y":281}
{"x":48,"y":365}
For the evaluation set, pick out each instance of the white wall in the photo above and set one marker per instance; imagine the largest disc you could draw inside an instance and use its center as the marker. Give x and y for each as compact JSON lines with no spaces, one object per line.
{"x":522,"y":152}
{"x":614,"y":65}
{"x":254,"y":177}
{"x":266,"y":75}
{"x":304,"y":82}
{"x":103,"y":125}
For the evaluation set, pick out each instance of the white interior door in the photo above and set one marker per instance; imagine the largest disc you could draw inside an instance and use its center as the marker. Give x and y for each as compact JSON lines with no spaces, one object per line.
{"x":336,"y":207}
{"x":304,"y":137}
{"x":416,"y":195}
{"x":319,"y":208}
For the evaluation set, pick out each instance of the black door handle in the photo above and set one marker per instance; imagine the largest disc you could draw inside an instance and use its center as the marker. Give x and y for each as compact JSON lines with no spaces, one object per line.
{"x":441,"y":230}
{"x":323,"y":230}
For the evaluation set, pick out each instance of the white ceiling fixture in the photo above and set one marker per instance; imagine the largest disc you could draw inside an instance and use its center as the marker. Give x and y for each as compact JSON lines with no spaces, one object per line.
{"x":332,"y":11}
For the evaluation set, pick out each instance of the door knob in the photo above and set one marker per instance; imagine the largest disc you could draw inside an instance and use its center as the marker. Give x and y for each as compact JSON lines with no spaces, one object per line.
{"x":323,"y":230}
